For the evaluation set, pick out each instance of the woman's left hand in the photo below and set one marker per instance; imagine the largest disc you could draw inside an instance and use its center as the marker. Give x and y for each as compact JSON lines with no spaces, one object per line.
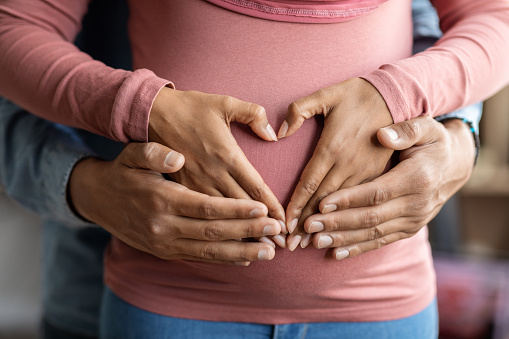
{"x":348,"y":152}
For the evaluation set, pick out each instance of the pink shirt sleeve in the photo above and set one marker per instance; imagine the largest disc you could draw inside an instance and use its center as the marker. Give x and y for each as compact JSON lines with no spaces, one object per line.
{"x":42,"y":71}
{"x":468,"y":64}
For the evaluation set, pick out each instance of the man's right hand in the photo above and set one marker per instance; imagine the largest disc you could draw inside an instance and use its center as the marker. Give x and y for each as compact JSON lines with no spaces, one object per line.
{"x":130,"y":198}
{"x":198,"y":126}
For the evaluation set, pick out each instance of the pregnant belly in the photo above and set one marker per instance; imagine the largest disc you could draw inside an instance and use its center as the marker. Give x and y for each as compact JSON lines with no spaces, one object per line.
{"x":212,"y":50}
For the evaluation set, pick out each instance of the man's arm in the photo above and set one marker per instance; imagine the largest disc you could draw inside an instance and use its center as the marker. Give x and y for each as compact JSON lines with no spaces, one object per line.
{"x":36,"y":160}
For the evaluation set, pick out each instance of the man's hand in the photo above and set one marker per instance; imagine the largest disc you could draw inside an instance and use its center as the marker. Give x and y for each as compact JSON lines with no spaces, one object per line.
{"x":347,"y":153}
{"x":130,"y":198}
{"x":198,"y":126}
{"x":436,"y":161}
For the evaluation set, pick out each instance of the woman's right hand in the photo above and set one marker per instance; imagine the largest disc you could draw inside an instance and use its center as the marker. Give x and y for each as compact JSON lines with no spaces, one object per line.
{"x":197,"y":125}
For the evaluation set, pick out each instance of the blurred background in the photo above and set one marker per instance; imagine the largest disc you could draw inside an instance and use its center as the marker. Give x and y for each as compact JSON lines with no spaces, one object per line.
{"x":470,"y":240}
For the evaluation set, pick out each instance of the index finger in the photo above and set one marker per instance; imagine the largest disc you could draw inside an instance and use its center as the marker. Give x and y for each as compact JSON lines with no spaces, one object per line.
{"x":252,"y":182}
{"x":197,"y":205}
{"x":309,"y":182}
{"x":388,"y":186}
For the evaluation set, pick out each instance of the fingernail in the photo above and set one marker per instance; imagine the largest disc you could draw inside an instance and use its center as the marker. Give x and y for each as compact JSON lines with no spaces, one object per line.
{"x":280,"y":240}
{"x":268,"y":241}
{"x":172,"y":158}
{"x":242,"y":263}
{"x":392,"y":133}
{"x":264,"y":255}
{"x":306,"y":240}
{"x":294,"y":242}
{"x":257,"y":212}
{"x":282,"y":130}
{"x":316,"y":226}
{"x":283,"y":227}
{"x":342,"y":254}
{"x":269,"y":230}
{"x":329,"y":208}
{"x":324,"y":241}
{"x":292,"y":225}
{"x":271,"y":132}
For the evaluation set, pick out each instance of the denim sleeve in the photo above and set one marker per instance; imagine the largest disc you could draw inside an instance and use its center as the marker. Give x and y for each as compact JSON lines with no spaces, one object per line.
{"x":37,"y":157}
{"x":425,"y":20}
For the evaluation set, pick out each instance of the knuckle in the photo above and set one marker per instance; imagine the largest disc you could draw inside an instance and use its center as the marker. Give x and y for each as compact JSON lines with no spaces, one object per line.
{"x":251,"y":231}
{"x":376,"y":233}
{"x":339,"y":239}
{"x":229,"y":156}
{"x":333,"y":221}
{"x":371,"y":219}
{"x":295,"y":108}
{"x":155,"y":231}
{"x":208,"y":251}
{"x":425,"y":180}
{"x":228,"y":102}
{"x":212,"y":232}
{"x":206,"y":211}
{"x":380,"y":242}
{"x":310,"y":186}
{"x":148,"y":150}
{"x":257,"y":192}
{"x":156,"y":204}
{"x":258,"y":111}
{"x":378,"y":196}
{"x":411,"y":129}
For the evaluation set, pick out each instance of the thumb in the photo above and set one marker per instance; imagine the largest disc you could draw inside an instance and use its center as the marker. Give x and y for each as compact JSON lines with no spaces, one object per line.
{"x":403,"y":135}
{"x":251,"y":114}
{"x":152,"y":156}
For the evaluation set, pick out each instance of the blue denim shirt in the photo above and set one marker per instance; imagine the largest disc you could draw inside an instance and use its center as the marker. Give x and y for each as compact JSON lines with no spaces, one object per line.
{"x":36,"y":160}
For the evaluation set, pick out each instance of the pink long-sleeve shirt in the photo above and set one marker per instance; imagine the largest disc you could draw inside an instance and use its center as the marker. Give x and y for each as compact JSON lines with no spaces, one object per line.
{"x":229,"y":47}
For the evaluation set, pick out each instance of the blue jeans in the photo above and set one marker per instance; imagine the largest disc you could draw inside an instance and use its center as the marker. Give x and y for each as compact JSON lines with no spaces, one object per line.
{"x":122,"y":320}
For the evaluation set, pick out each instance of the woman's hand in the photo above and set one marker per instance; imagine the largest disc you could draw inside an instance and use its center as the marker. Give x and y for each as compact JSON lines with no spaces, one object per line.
{"x":130,"y":198}
{"x":348,"y":152}
{"x":399,"y":203}
{"x":197,"y":125}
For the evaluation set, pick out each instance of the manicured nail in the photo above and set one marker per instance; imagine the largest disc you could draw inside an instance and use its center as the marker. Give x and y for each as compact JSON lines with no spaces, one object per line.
{"x":280,"y":240}
{"x":283,"y":227}
{"x":316,"y":226}
{"x":268,"y":241}
{"x":292,"y":225}
{"x":269,"y":230}
{"x":324,"y":241}
{"x":294,"y":242}
{"x":242,"y":263}
{"x":282,"y":130}
{"x":306,"y":240}
{"x":342,"y":254}
{"x":264,"y":255}
{"x":258,"y":212}
{"x":329,"y":208}
{"x":172,"y":158}
{"x":271,"y":132}
{"x":392,"y":133}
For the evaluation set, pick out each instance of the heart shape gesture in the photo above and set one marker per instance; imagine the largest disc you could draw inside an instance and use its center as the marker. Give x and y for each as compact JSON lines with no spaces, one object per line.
{"x":347,"y":154}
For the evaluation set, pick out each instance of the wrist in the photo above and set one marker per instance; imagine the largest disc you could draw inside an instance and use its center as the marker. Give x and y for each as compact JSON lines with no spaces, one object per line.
{"x":80,"y":189}
{"x":160,"y":113}
{"x":464,"y":134}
